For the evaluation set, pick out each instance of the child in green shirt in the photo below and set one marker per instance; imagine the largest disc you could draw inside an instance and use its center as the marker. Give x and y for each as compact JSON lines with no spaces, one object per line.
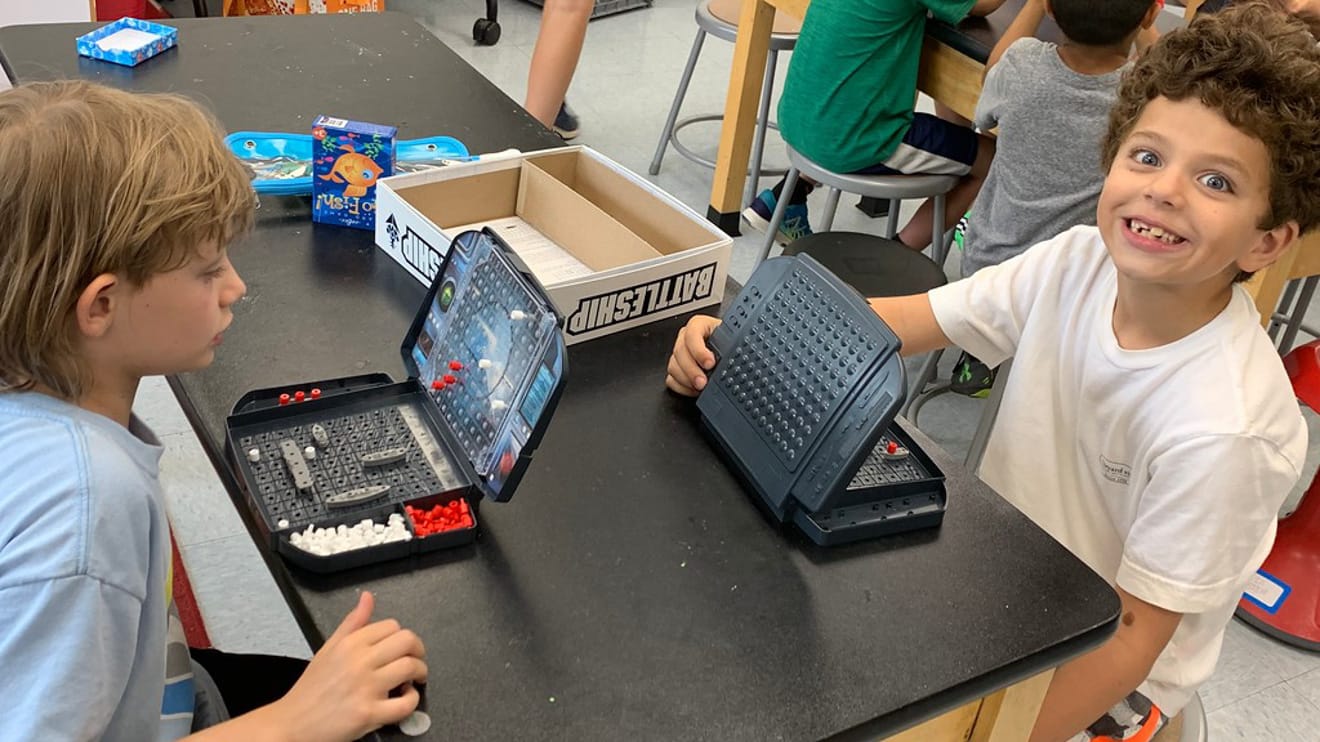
{"x":847,"y":106}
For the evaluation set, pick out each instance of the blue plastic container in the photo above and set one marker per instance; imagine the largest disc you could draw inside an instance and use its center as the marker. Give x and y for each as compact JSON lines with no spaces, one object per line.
{"x":281,"y":163}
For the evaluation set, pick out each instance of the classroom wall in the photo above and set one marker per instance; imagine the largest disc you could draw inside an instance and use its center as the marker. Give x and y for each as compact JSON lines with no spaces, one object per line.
{"x":15,"y":12}
{"x":18,"y":12}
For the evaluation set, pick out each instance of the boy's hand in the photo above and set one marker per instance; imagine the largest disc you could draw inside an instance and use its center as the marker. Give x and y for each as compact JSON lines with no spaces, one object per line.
{"x":345,"y":691}
{"x":691,"y":360}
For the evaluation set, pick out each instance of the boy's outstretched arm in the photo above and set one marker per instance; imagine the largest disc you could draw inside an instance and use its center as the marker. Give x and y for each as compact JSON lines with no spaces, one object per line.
{"x":345,"y":690}
{"x":913,"y":321}
{"x":1026,"y":23}
{"x":910,"y":317}
{"x":1084,"y":689}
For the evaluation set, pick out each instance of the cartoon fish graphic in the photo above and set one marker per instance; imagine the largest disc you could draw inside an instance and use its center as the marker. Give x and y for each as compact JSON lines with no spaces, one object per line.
{"x":358,"y":171}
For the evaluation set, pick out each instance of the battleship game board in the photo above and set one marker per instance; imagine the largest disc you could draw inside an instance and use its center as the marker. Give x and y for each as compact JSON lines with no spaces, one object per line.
{"x":345,"y":472}
{"x":802,"y":403}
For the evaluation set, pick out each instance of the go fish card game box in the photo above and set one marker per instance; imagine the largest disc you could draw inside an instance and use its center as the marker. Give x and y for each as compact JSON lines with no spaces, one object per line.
{"x":348,"y":158}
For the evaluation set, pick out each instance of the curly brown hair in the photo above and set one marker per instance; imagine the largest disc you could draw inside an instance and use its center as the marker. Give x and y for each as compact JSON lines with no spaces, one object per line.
{"x":1260,"y":69}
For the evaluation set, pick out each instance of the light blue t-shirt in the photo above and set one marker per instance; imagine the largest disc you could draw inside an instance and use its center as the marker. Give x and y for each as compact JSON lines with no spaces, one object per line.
{"x":84,"y":580}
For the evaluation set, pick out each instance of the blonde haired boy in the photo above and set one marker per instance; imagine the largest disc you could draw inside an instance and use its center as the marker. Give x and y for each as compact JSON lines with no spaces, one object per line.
{"x":113,"y":228}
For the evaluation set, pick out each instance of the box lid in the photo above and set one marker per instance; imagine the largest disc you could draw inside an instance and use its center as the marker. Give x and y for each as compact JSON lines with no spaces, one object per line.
{"x":359,"y":127}
{"x":486,"y":345}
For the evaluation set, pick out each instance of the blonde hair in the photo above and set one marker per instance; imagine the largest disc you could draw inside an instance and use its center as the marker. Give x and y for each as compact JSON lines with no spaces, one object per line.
{"x":100,"y":181}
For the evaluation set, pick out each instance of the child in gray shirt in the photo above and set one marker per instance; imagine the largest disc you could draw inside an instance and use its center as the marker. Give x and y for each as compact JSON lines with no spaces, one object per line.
{"x":1051,"y":105}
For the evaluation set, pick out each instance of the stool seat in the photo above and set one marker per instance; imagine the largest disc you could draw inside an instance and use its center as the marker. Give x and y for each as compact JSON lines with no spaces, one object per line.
{"x":873,"y":265}
{"x":875,"y":186}
{"x":893,"y":188}
{"x":721,"y":18}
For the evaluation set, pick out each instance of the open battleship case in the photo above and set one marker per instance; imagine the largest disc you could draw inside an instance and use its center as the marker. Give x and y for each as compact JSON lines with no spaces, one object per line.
{"x":486,"y":367}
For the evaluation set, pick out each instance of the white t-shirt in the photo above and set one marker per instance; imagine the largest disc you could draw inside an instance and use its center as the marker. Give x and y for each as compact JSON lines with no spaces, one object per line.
{"x":1162,"y":469}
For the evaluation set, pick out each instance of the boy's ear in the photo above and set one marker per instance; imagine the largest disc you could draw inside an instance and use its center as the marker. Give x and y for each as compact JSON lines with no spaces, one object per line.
{"x":1269,"y":247}
{"x":96,"y":305}
{"x":1152,"y":13}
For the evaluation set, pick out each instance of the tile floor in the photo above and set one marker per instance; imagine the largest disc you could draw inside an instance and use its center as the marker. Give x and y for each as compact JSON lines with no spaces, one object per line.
{"x":1263,"y":691}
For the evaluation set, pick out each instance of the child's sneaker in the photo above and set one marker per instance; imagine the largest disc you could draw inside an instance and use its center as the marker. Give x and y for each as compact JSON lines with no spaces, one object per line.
{"x":970,"y":377}
{"x":960,"y":231}
{"x":566,"y":123}
{"x":793,"y":228}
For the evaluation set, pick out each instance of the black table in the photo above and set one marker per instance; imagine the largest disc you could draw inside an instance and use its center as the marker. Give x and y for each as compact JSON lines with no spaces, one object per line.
{"x":975,"y":36}
{"x":631,"y":590}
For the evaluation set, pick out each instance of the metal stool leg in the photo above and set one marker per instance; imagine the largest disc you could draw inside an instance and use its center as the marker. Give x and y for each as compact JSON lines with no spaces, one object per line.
{"x":831,"y":208}
{"x":929,"y":368}
{"x":987,"y":421}
{"x":679,"y":95}
{"x":1285,"y":301}
{"x":891,"y":222}
{"x":762,"y":124}
{"x":781,"y":205}
{"x":934,"y":390}
{"x":937,"y":232}
{"x":1298,"y":313}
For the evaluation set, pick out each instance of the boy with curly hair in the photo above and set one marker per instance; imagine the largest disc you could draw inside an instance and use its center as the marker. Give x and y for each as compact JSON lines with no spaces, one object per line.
{"x":1148,"y":424}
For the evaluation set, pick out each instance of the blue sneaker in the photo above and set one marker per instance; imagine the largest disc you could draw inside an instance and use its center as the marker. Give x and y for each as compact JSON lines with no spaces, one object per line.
{"x":793,"y":228}
{"x":566,"y":123}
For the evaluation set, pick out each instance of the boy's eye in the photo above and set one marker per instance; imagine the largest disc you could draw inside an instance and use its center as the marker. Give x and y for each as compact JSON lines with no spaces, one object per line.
{"x":1216,"y":182}
{"x":1146,"y":157}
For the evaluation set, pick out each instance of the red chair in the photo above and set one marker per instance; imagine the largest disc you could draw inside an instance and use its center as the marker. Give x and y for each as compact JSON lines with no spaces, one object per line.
{"x":1283,"y":599}
{"x":113,"y":10}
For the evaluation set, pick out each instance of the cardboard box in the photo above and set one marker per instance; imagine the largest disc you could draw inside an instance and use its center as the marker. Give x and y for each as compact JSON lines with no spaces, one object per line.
{"x":348,"y":158}
{"x":612,"y":249}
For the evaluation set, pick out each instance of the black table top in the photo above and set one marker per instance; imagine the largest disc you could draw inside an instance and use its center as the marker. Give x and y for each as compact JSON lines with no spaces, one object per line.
{"x":631,"y":589}
{"x":277,"y":73}
{"x":975,"y":36}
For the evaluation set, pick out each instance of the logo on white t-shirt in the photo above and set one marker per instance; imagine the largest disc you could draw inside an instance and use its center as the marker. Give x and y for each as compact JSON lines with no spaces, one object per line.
{"x":1114,"y":471}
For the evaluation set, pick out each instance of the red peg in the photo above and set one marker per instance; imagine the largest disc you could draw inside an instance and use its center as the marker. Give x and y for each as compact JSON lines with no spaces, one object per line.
{"x":284,"y":399}
{"x":316,"y":393}
{"x":437,"y":385}
{"x":455,"y":366}
{"x":299,"y":396}
{"x":450,"y":379}
{"x":892,"y":447}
